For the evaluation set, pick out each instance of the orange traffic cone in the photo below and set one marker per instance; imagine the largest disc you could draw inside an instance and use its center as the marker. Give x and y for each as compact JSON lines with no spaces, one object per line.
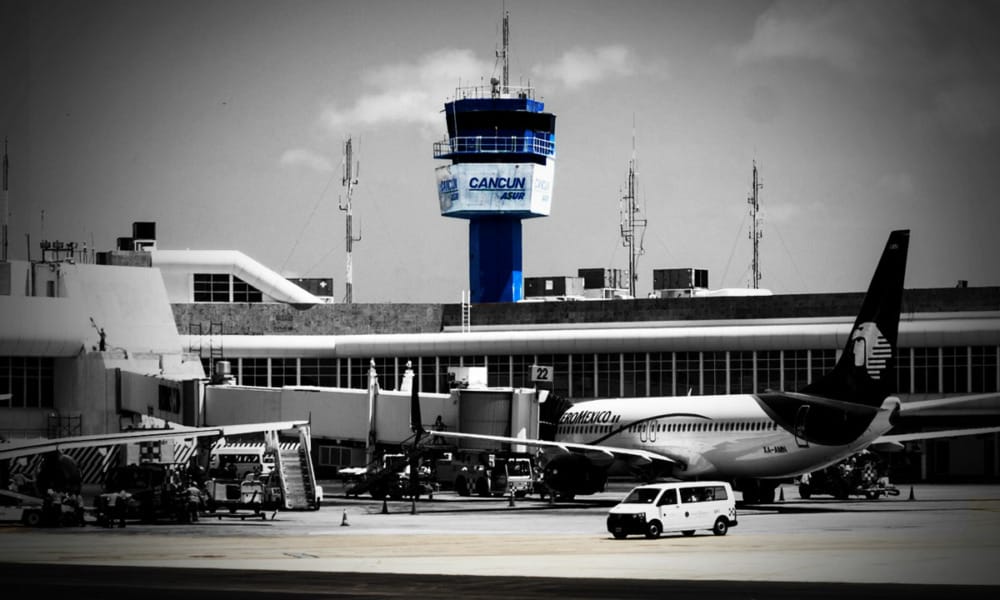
{"x":343,"y":521}
{"x":385,"y":507}
{"x":911,"y":493}
{"x":781,"y":494}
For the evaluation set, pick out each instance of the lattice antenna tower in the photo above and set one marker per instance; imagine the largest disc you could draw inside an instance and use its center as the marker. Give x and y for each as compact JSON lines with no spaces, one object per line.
{"x":349,"y":180}
{"x":756,"y":227}
{"x":502,"y":86}
{"x":632,"y":223}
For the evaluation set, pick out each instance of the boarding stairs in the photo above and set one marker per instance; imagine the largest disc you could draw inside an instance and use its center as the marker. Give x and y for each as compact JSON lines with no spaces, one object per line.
{"x":297,"y":477}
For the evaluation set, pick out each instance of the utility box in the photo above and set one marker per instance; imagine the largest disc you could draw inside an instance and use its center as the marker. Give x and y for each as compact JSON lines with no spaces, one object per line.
{"x":553,"y":286}
{"x":678,"y":279}
{"x":603,"y":278}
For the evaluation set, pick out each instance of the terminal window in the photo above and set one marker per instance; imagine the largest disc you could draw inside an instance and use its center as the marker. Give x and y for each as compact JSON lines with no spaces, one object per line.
{"x":28,"y":380}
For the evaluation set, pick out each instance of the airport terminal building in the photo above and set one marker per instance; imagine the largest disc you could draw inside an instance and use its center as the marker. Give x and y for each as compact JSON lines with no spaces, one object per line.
{"x":89,"y":346}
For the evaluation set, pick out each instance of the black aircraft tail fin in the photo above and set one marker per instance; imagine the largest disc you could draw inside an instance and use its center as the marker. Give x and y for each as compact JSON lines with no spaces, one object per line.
{"x":866,"y":371}
{"x":416,"y":424}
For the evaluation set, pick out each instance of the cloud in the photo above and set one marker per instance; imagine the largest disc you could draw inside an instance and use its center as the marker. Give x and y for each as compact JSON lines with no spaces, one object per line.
{"x":581,"y":66}
{"x":300,"y":157}
{"x":897,"y":40}
{"x":411,"y":92}
{"x":815,"y":31}
{"x":970,"y":108}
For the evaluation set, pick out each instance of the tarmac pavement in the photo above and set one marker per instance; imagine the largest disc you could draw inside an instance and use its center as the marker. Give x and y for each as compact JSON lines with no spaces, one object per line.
{"x":945,"y":535}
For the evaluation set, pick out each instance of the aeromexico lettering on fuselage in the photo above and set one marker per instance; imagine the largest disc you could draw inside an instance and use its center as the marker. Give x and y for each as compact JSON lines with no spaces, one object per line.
{"x":590,"y":417}
{"x":510,"y":188}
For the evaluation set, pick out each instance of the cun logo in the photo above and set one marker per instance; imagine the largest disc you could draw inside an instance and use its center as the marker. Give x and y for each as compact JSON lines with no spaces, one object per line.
{"x":871,"y":349}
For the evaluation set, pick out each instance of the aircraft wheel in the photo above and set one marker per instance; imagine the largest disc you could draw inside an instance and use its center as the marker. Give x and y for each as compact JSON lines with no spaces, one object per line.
{"x":721,"y":526}
{"x":804,"y":491}
{"x":653,"y":530}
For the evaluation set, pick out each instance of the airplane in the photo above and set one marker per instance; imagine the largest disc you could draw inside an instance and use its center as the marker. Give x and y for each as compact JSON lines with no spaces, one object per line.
{"x":751,"y":440}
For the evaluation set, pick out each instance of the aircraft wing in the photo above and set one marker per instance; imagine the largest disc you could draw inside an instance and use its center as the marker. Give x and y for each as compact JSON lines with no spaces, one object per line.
{"x":634,"y":455}
{"x":930,"y":435}
{"x":28,"y":447}
{"x":918,"y":405}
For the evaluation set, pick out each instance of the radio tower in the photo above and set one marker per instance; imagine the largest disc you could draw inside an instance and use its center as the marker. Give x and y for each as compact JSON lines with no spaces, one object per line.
{"x":351,"y":171}
{"x":632,"y":224}
{"x":757,"y":228}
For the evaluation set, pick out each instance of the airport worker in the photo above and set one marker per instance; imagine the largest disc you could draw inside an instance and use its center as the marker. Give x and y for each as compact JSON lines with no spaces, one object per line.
{"x":192,"y":503}
{"x":121,"y":506}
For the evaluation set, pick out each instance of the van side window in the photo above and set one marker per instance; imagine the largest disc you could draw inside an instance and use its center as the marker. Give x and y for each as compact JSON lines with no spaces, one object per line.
{"x":668,"y":498}
{"x":688,"y":495}
{"x":720,"y":493}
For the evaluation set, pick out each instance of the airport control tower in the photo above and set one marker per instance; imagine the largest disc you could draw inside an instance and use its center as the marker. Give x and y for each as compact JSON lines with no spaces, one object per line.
{"x":502,"y":149}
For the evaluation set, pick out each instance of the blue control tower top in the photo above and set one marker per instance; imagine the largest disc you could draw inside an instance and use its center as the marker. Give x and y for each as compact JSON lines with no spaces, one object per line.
{"x":501,"y":145}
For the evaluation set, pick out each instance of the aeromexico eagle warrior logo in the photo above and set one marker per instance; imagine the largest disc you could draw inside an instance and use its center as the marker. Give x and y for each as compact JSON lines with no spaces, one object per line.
{"x":871,"y":350}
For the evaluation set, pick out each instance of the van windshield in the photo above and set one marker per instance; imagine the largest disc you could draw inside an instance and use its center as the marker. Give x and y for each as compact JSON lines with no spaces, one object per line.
{"x":641,"y":496}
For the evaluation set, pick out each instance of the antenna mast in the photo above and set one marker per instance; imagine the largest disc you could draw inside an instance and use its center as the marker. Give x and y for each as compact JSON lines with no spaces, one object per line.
{"x":349,"y":180}
{"x":506,"y":45}
{"x":502,"y":87}
{"x":757,"y":228}
{"x":632,"y":225}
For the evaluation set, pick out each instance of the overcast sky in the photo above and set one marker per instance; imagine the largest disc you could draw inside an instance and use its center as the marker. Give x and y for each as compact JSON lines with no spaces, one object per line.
{"x":224,"y":122}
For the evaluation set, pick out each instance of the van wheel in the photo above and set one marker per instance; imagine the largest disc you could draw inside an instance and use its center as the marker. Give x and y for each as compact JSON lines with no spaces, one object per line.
{"x":688,"y":532}
{"x":32,"y":518}
{"x":721,"y":526}
{"x":654,"y":529}
{"x":619,"y":535}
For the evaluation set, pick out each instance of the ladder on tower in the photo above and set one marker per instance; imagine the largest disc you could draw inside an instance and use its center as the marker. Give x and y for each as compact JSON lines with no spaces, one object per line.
{"x":466,"y":311}
{"x":215,"y":353}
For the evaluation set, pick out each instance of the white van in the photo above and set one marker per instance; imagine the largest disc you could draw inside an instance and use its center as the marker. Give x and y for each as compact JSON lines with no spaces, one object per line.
{"x":676,"y":506}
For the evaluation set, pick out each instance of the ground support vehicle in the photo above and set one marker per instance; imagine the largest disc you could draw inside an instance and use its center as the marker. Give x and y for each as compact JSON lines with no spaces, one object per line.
{"x":147,"y":492}
{"x":684,"y":506}
{"x":21,"y":508}
{"x":388,"y":477}
{"x":862,"y":474}
{"x":485,"y":474}
{"x":257,"y":497}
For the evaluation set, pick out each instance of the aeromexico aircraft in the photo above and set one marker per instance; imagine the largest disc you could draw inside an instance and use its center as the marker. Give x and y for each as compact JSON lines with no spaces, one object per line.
{"x":752,"y":440}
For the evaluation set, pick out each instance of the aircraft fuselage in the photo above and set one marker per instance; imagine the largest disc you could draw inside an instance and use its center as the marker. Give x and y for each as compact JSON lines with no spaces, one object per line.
{"x":731,"y":436}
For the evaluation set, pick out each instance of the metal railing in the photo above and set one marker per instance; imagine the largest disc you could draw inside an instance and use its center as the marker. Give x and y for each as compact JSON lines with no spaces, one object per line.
{"x":494,"y":145}
{"x":494,"y":91}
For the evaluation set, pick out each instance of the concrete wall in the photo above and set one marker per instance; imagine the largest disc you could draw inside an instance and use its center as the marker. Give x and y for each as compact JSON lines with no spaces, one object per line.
{"x":261,"y":318}
{"x":346,"y":319}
